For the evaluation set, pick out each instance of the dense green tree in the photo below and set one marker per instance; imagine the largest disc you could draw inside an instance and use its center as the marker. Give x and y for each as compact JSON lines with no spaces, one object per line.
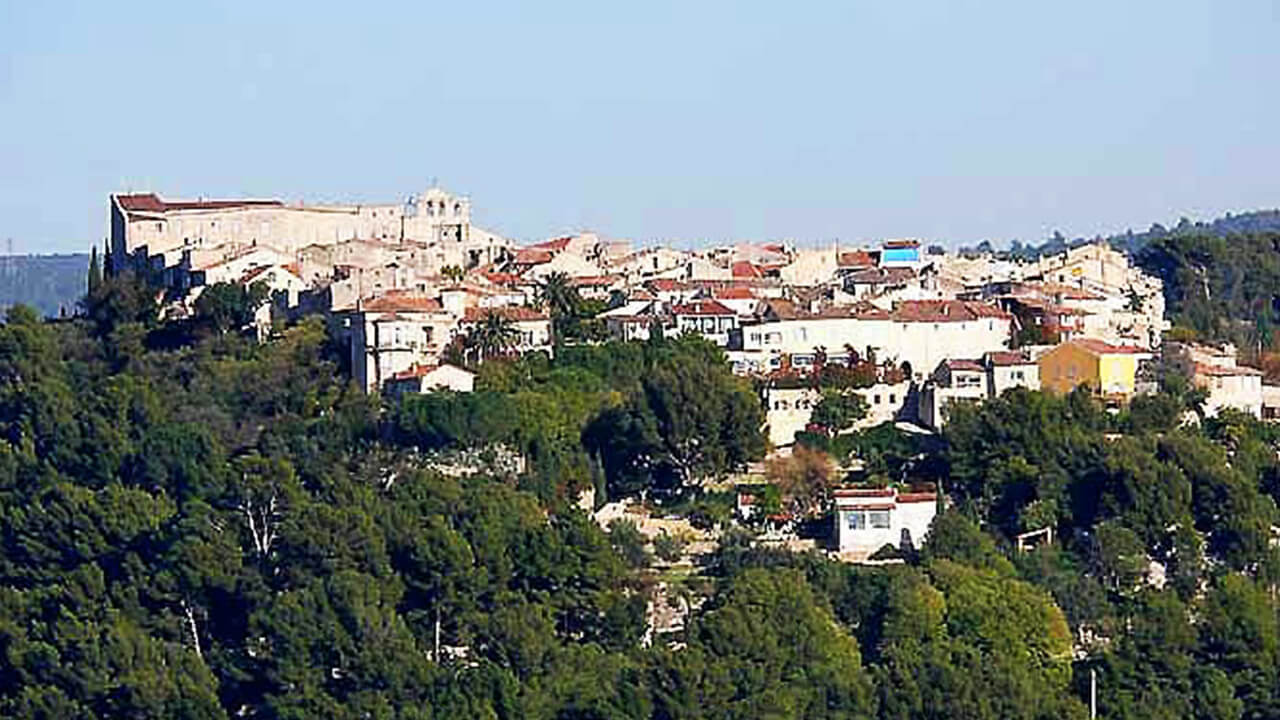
{"x":229,"y":305}
{"x":838,"y":411}
{"x":766,"y":649}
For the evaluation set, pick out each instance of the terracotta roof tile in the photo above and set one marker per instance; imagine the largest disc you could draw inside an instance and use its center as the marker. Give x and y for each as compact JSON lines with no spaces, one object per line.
{"x":1008,"y":357}
{"x":917,"y":497}
{"x":398,"y":301}
{"x":416,"y":371}
{"x":150,"y":202}
{"x":734,"y":293}
{"x":702,"y":307}
{"x":944,"y":311}
{"x":1102,"y":347}
{"x":533,"y":256}
{"x":1218,"y":371}
{"x":855,"y":259}
{"x":556,"y":245}
{"x":514,"y":313}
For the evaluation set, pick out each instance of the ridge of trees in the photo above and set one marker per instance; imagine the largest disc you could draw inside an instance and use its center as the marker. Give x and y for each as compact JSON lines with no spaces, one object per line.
{"x":196,"y":525}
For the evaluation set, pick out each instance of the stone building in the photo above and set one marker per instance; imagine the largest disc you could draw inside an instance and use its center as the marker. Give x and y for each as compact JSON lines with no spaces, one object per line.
{"x":148,"y":232}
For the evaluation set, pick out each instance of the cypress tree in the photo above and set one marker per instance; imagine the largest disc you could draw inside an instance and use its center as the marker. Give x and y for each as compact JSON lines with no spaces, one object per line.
{"x":95,"y":272}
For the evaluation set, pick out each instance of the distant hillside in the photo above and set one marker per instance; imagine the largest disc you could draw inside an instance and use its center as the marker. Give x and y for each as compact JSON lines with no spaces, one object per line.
{"x":1255,"y":222}
{"x":1250,"y":223}
{"x":49,"y":283}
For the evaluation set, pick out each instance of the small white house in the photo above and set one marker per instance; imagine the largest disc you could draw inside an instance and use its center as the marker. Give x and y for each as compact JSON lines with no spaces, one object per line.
{"x":867,"y":519}
{"x":429,"y":378}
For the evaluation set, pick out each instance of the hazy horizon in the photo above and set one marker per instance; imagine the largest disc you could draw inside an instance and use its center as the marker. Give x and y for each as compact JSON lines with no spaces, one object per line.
{"x":951,"y":122}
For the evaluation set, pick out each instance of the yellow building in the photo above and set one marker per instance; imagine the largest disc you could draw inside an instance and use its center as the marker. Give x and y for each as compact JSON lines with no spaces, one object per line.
{"x":1105,"y":368}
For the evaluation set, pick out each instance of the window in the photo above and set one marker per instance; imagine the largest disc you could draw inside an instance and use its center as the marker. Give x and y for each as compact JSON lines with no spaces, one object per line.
{"x":879,"y":519}
{"x":877,"y":400}
{"x":857,"y":520}
{"x":892,"y":399}
{"x":1017,"y":375}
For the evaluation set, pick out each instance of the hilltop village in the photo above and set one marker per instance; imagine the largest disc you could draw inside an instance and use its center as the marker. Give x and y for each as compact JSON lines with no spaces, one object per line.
{"x":420,"y":296}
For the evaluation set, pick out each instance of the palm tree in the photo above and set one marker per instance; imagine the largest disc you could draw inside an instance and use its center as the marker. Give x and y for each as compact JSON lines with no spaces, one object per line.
{"x":558,"y":295}
{"x":452,"y":273}
{"x":493,"y":336}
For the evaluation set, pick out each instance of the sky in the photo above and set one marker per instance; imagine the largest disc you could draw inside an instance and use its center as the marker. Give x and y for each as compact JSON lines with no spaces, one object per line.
{"x":681,"y":122}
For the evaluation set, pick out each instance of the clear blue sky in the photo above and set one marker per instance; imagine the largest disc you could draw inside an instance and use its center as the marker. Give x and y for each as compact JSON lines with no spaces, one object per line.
{"x":851,"y":119}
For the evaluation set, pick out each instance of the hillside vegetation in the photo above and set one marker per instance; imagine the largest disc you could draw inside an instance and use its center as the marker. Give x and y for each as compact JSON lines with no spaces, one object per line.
{"x":193,"y":525}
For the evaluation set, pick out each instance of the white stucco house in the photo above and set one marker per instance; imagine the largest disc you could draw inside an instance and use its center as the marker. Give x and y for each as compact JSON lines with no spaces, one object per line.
{"x":430,"y":378}
{"x":867,"y":519}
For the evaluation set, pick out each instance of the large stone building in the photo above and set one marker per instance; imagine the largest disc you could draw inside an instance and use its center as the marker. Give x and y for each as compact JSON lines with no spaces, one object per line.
{"x":148,"y":232}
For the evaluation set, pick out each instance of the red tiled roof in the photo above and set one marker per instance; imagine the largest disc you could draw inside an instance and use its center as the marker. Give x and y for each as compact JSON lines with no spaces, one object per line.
{"x":502,"y":278}
{"x":944,"y":311}
{"x":557,"y":244}
{"x":702,"y":307}
{"x":416,"y":371}
{"x":971,"y":365}
{"x":1219,"y":371}
{"x":734,"y":293}
{"x":744,"y":269}
{"x":666,"y":285}
{"x":1008,"y":357}
{"x":533,"y":256}
{"x":917,"y":497}
{"x":593,"y":281}
{"x":399,"y":301}
{"x":150,"y":202}
{"x":855,"y":258}
{"x":514,"y":313}
{"x":1101,"y":347}
{"x":862,"y":492}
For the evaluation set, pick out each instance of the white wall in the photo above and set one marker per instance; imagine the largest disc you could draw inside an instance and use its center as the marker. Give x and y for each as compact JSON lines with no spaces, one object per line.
{"x":923,"y":344}
{"x":915,"y":517}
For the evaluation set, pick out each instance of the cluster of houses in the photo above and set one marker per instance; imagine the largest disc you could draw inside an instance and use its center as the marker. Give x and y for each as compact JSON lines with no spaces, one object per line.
{"x":926,"y":328}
